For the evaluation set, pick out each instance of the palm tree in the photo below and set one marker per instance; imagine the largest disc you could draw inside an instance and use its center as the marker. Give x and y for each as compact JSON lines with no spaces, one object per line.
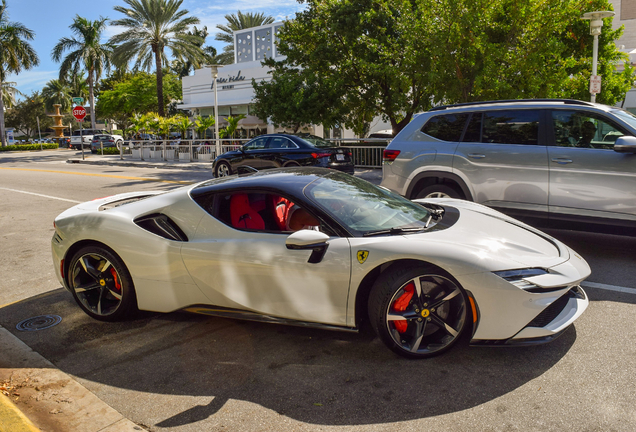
{"x":57,"y":92}
{"x":236,"y":22}
{"x":15,"y":54}
{"x":202,"y":124}
{"x":152,"y":26}
{"x":182,"y":124}
{"x":9,"y":91}
{"x":182,"y":67}
{"x":86,"y":51}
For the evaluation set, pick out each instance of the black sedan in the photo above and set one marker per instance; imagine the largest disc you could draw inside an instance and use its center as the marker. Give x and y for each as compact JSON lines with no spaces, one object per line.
{"x":283,"y":150}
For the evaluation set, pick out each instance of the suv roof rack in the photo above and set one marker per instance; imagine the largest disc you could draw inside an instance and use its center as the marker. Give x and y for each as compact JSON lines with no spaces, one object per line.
{"x":565,"y":101}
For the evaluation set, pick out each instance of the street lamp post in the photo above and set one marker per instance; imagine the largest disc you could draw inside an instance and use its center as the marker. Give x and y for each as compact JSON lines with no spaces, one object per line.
{"x":214,"y":69}
{"x":596,"y":25}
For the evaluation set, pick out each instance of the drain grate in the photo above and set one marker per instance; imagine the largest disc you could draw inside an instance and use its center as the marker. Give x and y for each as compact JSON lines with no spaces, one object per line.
{"x":39,"y":323}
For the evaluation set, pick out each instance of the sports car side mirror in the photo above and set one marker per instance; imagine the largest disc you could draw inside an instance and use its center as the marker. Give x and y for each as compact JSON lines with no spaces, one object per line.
{"x":309,"y":239}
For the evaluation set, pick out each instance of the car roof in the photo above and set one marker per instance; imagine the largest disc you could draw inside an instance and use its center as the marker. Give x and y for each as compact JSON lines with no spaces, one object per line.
{"x":286,"y":180}
{"x":520,"y":103}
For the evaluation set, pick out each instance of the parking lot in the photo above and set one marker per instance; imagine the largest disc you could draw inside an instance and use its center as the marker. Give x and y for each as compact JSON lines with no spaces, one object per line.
{"x":184,"y":372}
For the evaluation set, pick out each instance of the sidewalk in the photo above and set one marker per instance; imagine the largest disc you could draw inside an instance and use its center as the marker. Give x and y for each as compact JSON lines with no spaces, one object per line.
{"x":42,"y":397}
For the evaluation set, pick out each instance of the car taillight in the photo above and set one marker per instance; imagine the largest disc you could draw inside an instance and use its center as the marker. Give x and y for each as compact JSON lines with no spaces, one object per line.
{"x":320,"y":155}
{"x":390,"y":155}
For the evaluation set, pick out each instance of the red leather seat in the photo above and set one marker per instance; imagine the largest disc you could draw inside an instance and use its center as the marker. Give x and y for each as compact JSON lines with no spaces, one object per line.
{"x":243,"y":215}
{"x":281,"y":207}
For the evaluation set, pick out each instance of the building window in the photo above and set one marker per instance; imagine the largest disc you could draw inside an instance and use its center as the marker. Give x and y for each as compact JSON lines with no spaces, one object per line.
{"x":238,"y":109}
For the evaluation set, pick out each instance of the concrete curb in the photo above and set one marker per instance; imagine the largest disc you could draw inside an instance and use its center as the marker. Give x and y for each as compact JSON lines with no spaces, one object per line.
{"x":200,"y":166}
{"x":12,"y":419}
{"x":47,"y":398}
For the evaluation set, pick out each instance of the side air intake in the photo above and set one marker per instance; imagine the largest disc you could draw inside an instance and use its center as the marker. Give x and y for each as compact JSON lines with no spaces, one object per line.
{"x":162,"y":226}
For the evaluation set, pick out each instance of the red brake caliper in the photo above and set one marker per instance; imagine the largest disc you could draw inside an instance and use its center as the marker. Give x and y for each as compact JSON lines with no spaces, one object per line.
{"x":401,"y":304}
{"x":117,"y":284}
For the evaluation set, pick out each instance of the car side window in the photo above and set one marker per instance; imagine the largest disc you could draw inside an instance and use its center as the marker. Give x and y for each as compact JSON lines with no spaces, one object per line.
{"x":511,"y":127}
{"x":266,"y":212}
{"x":584,"y":130}
{"x":447,"y":127}
{"x":281,"y":143}
{"x":256,"y":144}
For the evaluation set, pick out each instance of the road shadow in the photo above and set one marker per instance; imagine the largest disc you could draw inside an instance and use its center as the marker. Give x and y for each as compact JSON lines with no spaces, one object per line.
{"x":314,"y":376}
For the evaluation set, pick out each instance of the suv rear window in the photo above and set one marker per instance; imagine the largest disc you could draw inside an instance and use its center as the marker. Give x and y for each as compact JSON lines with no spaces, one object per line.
{"x":447,"y":127}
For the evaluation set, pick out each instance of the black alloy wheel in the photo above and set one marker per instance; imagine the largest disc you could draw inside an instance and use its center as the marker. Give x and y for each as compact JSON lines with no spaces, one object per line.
{"x":101,"y":284}
{"x":418,"y":311}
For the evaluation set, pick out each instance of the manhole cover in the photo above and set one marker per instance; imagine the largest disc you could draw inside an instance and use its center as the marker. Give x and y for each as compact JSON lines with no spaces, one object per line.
{"x":39,"y":323}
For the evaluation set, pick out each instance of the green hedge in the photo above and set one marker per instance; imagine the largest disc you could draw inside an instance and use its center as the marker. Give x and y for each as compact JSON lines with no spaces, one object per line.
{"x":109,"y":151}
{"x":25,"y":147}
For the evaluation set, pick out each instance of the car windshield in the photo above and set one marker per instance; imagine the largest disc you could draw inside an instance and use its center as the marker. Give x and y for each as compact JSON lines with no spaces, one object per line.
{"x":365,"y":209}
{"x":317,"y":141}
{"x":626,"y":116}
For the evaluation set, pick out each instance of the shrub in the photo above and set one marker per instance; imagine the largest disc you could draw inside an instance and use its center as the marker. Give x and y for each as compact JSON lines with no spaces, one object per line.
{"x":25,"y":147}
{"x":109,"y":151}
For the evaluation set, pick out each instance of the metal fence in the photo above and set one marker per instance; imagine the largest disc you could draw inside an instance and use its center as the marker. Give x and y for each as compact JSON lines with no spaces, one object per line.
{"x":365,"y":153}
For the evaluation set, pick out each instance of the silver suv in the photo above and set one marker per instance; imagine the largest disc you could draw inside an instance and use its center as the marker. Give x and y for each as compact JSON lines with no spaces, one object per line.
{"x":549,"y":162}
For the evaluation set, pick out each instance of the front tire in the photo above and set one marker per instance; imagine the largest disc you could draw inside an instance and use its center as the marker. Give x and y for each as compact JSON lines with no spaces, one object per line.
{"x":418,"y":311}
{"x":101,"y":284}
{"x":223,"y":169}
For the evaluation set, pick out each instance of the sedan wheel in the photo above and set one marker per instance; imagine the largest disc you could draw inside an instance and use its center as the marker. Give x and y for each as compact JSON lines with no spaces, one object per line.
{"x":418,"y":312}
{"x":223,"y":170}
{"x":101,"y":284}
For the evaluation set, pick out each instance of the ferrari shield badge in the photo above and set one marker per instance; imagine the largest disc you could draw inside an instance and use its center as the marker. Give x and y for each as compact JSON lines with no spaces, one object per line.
{"x":362,"y":256}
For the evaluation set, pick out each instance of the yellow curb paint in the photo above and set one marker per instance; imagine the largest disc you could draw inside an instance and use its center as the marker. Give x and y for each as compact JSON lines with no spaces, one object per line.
{"x":12,"y":419}
{"x":101,"y":175}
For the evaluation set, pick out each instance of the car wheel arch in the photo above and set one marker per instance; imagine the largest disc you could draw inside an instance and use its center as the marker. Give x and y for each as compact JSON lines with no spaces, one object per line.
{"x":79,"y":245}
{"x":426,"y":179}
{"x":361,"y":313}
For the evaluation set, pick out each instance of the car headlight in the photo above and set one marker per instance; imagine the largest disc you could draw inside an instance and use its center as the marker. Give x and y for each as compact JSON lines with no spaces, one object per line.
{"x":516,"y":277}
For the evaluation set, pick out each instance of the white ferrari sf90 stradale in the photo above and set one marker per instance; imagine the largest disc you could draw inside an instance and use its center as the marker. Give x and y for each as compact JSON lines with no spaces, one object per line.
{"x":316,"y":247}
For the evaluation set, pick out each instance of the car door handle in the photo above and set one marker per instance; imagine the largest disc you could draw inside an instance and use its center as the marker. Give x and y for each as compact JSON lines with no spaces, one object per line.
{"x":562,"y":161}
{"x":476,"y":155}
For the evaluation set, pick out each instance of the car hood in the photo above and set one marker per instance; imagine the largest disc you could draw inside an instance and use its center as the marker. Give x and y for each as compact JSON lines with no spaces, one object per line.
{"x":493,"y":237}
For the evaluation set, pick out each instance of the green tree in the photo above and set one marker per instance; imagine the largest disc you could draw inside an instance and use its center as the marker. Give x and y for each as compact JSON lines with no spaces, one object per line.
{"x":57,"y":92}
{"x":295,"y":98}
{"x":202,"y":124}
{"x":396,"y":57}
{"x":152,"y":26}
{"x":136,"y":94}
{"x":238,"y":21}
{"x":16,"y":54}
{"x":9,"y":91}
{"x":183,"y":67}
{"x":367,"y":51}
{"x":24,"y":115}
{"x":183,"y":124}
{"x":86,"y":51}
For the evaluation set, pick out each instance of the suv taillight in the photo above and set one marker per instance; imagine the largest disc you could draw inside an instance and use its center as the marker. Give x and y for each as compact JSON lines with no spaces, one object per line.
{"x":390,"y":155}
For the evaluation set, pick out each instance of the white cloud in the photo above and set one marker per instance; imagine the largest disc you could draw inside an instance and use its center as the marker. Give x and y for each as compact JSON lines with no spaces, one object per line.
{"x":29,"y":81}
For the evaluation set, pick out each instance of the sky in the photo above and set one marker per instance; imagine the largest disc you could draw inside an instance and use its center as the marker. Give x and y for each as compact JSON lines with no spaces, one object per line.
{"x":50,"y":20}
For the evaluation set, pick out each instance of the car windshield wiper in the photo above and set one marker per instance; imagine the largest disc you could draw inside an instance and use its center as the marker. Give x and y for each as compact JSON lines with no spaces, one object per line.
{"x":393,"y":231}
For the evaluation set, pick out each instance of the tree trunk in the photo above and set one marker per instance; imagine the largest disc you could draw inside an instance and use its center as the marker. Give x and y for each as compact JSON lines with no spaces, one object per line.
{"x":91,"y":98}
{"x":4,"y":143}
{"x":159,"y":83}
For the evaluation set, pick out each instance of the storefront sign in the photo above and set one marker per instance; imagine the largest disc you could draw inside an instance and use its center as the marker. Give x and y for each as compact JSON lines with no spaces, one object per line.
{"x":238,"y":77}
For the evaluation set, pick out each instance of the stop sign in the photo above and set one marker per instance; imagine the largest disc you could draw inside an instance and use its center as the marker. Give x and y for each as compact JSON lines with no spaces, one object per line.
{"x":79,"y":112}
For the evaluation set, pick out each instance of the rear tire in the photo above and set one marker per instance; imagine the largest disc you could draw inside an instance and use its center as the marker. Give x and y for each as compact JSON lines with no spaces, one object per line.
{"x":101,"y":284}
{"x":418,"y":311}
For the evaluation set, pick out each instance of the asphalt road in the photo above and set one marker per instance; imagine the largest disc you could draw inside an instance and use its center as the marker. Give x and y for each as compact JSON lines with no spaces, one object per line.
{"x":181,"y":372}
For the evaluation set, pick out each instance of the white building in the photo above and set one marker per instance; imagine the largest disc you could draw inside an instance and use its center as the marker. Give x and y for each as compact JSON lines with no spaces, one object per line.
{"x":234,"y":89}
{"x":626,"y":16}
